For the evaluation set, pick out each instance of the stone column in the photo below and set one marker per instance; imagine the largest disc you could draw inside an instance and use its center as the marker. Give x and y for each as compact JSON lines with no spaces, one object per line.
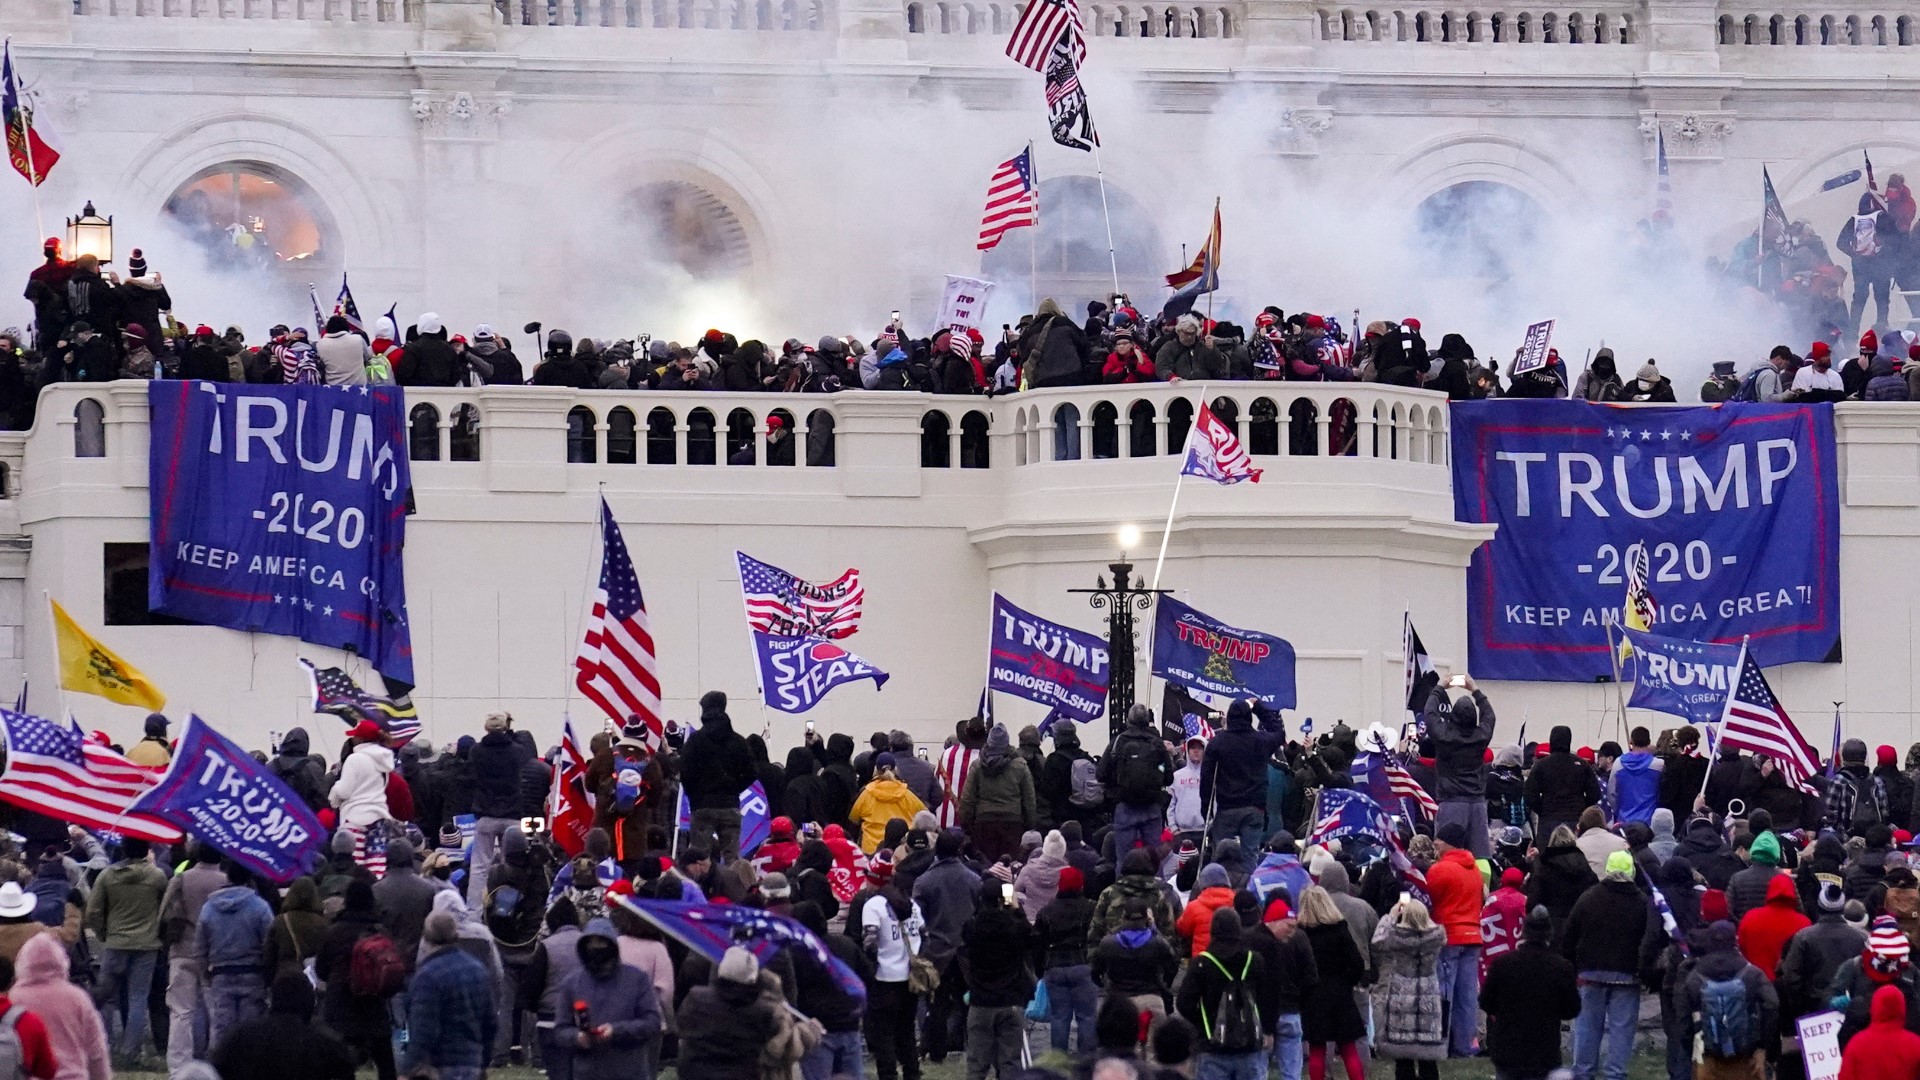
{"x":460,"y":145}
{"x":1680,"y":36}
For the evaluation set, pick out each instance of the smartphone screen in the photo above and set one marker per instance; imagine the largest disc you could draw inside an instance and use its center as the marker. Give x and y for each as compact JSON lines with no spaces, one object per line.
{"x":1006,"y":892}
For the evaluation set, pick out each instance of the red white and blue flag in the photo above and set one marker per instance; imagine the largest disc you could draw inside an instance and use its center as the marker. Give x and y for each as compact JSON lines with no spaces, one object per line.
{"x":26,"y":150}
{"x":1197,"y":727}
{"x":570,"y":802}
{"x":711,"y":929}
{"x":1756,"y":721}
{"x":1013,"y":199}
{"x":615,"y":667}
{"x":54,"y":770}
{"x":1042,"y":22}
{"x":1214,"y":452}
{"x":781,"y":604}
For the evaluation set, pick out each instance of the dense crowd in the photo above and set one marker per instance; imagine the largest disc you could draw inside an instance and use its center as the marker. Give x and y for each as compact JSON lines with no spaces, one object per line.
{"x":1173,"y":907}
{"x":91,"y":324}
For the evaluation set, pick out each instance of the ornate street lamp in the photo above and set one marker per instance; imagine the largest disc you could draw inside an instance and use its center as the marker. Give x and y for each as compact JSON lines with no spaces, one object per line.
{"x":90,"y":234}
{"x":1120,"y":603}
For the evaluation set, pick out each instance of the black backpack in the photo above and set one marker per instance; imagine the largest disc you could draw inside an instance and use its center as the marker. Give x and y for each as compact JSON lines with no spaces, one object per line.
{"x":1138,"y":773}
{"x":1235,"y":1025}
{"x":1866,"y":805}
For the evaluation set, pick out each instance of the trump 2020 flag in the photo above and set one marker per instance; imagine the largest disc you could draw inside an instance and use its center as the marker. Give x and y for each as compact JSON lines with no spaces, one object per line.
{"x":711,"y":929}
{"x":1214,"y":452}
{"x":755,"y":823}
{"x":1045,"y":662}
{"x":1684,"y":678}
{"x":796,"y":672}
{"x":1195,"y":649}
{"x":219,"y":794}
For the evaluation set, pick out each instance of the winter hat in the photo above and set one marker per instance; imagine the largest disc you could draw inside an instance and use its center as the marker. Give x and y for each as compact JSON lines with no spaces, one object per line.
{"x":483,"y":332}
{"x":1620,"y":865}
{"x":1030,"y":839}
{"x":948,"y":845}
{"x":1886,"y":755}
{"x":917,"y":841}
{"x":1511,"y":877}
{"x":1072,"y":882}
{"x":739,"y":966}
{"x":1189,"y":851}
{"x":1855,"y":914}
{"x":1765,"y":850}
{"x":431,"y":324}
{"x":1887,"y":947}
{"x":1713,"y":903}
{"x":1869,"y":342}
{"x":775,"y":887}
{"x":1539,"y":925}
{"x":342,"y":843}
{"x":1212,"y":876}
{"x":712,"y":702}
{"x":880,"y":868}
{"x":440,"y":929}
{"x":1833,"y":897}
{"x":1819,"y":350}
{"x":1454,"y":834}
{"x":137,"y":264}
{"x":1648,"y":373}
{"x":384,"y":330}
{"x":1853,"y":751}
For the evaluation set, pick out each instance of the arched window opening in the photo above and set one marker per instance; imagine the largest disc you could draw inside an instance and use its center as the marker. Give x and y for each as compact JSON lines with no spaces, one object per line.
{"x":89,"y":429}
{"x":660,"y":448}
{"x":933,"y":441}
{"x":1179,"y":419}
{"x":780,"y":437}
{"x":248,"y":216}
{"x":820,"y":439}
{"x":700,"y":438}
{"x":580,"y":435}
{"x":1303,"y":428}
{"x":1141,"y":429}
{"x":1263,"y":427}
{"x":973,"y":440}
{"x":1106,"y":430}
{"x":465,"y":433}
{"x":423,"y":433}
{"x":622,"y":444}
{"x":740,"y":438}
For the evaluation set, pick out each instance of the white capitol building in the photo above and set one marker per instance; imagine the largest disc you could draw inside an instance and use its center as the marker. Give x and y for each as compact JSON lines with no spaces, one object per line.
{"x":768,"y":164}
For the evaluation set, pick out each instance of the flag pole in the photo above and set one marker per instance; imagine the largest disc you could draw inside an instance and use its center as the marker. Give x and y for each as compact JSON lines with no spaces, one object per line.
{"x":1033,"y":235}
{"x":1213,"y":261}
{"x":1619,"y":695}
{"x":26,"y":141}
{"x":1167,"y":532}
{"x":1113,"y":261}
{"x":1760,"y":247}
{"x":586,"y":590}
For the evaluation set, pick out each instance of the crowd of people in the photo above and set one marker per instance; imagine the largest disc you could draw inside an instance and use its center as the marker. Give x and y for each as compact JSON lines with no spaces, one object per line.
{"x":90,"y":324}
{"x":1175,"y":907}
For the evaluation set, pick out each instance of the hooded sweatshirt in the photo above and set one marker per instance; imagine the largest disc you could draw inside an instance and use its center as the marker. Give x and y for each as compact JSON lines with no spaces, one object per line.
{"x":1765,"y":930}
{"x":1664,"y":842}
{"x":43,"y":986}
{"x":1000,"y":788}
{"x":1039,"y":880}
{"x":233,"y":931}
{"x":1561,"y":786}
{"x":360,"y":795}
{"x":1233,"y":775}
{"x":1886,"y":1050}
{"x":881,"y":801}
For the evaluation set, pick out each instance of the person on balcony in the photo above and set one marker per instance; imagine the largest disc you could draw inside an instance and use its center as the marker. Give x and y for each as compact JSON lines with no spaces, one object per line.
{"x":1053,"y":350}
{"x":343,"y":354}
{"x":1126,"y":363}
{"x":1648,"y":385}
{"x":1189,"y":357}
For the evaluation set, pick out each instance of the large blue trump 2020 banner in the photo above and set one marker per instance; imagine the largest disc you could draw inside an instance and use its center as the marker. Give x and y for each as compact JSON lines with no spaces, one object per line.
{"x":283,"y":509}
{"x":1736,"y":508}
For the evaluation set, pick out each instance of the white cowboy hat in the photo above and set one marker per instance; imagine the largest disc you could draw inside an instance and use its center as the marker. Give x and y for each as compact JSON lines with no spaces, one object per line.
{"x":15,"y":901}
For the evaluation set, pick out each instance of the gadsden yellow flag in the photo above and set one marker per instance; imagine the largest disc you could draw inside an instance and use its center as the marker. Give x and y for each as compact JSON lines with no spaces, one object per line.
{"x":88,"y":667}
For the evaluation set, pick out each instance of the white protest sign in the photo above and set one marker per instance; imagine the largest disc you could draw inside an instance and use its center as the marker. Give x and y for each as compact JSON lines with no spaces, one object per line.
{"x":965,"y":303}
{"x":1533,"y":352}
{"x":1820,"y":1043}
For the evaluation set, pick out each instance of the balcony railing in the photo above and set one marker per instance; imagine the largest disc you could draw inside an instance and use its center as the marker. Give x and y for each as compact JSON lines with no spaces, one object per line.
{"x":1478,"y":26}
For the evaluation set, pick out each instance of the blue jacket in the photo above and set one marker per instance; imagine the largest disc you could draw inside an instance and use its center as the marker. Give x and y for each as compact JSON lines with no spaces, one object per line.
{"x":1635,"y":781}
{"x":233,"y":929}
{"x":625,"y":1003}
{"x":450,"y":1019}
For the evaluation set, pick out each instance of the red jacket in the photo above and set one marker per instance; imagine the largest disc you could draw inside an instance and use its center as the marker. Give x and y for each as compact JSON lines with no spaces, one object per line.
{"x":1764,"y":930}
{"x":1501,"y":921}
{"x":1196,"y":921}
{"x":1886,"y":1050}
{"x":1454,"y":883}
{"x":1115,"y":369}
{"x":36,"y":1050}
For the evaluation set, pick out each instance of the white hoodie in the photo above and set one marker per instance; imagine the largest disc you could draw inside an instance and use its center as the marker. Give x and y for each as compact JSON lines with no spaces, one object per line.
{"x":361,"y":792}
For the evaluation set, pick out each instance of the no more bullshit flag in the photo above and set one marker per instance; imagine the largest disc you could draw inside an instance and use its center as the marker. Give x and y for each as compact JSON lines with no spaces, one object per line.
{"x":1043,"y":661}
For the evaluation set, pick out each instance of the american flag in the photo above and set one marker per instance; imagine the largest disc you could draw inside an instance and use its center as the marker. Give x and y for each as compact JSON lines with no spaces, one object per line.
{"x":1402,"y":784}
{"x":781,"y":604}
{"x":56,"y":771}
{"x":1662,"y":181}
{"x":334,"y":691}
{"x":344,"y":306}
{"x":1773,"y":217}
{"x":1013,"y":199}
{"x":1197,"y":727}
{"x":1040,"y":25}
{"x":1215,"y":453}
{"x":1755,"y":720}
{"x":616,"y":668}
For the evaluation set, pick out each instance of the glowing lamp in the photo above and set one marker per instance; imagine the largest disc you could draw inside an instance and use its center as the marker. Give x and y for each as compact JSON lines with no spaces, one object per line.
{"x":90,"y":234}
{"x":1129,"y":537}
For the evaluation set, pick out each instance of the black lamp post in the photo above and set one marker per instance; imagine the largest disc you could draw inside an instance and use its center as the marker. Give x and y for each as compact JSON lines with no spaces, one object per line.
{"x":1120,"y":602}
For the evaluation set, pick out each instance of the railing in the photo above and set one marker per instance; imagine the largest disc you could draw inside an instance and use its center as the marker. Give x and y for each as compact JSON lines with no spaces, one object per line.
{"x":314,"y":11}
{"x":1144,"y":20}
{"x":1611,"y":26}
{"x":1273,"y":419}
{"x":772,"y":15}
{"x":1880,"y":28}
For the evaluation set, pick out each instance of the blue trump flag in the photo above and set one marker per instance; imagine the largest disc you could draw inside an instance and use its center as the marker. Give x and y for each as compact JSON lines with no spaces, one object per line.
{"x":283,"y":509}
{"x":1736,"y":508}
{"x":1199,"y":651}
{"x":217,"y":793}
{"x":710,"y":929}
{"x":1685,"y":678}
{"x":796,"y":672}
{"x":755,"y":822}
{"x":1043,"y":661}
{"x":1344,"y":812}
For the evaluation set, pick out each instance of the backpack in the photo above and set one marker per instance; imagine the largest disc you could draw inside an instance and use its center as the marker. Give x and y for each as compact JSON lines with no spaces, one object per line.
{"x":1725,"y":1025}
{"x":377,"y":968}
{"x":1084,"y":789}
{"x":1749,"y":385}
{"x":12,"y":1060}
{"x":513,"y":915}
{"x":1236,"y":1028}
{"x":1866,"y":806}
{"x":1137,"y":771}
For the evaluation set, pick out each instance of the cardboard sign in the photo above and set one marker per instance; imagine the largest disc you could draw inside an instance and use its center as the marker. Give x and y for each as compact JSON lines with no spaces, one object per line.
{"x":965,"y":302}
{"x":1820,"y":1043}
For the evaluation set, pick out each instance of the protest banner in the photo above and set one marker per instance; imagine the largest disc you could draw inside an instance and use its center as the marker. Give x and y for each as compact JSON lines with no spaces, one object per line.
{"x":1199,"y":651}
{"x":1820,"y":1044}
{"x":221,"y":796}
{"x":1534,"y":349}
{"x":965,"y":303}
{"x":1045,"y":662}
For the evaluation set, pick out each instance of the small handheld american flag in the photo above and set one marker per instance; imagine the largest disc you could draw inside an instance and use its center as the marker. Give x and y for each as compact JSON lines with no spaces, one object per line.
{"x":1013,"y":201}
{"x":1197,"y":727}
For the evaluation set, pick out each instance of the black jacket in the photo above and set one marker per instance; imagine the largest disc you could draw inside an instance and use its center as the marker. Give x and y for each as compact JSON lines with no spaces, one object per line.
{"x":1680,"y":779}
{"x":1060,"y":933}
{"x":995,"y":945}
{"x":1528,"y":992}
{"x":1234,"y":772}
{"x":298,"y":769}
{"x":496,"y":760}
{"x":723,"y":1028}
{"x":1135,"y":962}
{"x":428,"y":360}
{"x":1053,"y":352}
{"x":1706,"y":849}
{"x":1813,"y":956}
{"x":1561,"y":785}
{"x":1561,"y":876}
{"x":1201,"y":990}
{"x":1730,"y":778}
{"x":1290,"y":967}
{"x":1603,"y":933}
{"x":818,"y":995}
{"x":352,"y":1016}
{"x":716,"y":765}
{"x":1460,"y":750}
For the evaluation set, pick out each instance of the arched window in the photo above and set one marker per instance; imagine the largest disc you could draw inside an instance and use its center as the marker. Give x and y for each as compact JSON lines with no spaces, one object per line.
{"x":740,"y":436}
{"x":622,"y":445}
{"x":1066,"y":432}
{"x":1228,"y":412}
{"x":660,"y":449}
{"x":1263,"y":427}
{"x":1140,"y":429}
{"x":1341,"y":429}
{"x":1179,"y":419}
{"x":580,"y":435}
{"x":820,"y":439}
{"x":700,"y":440}
{"x":249,"y":217}
{"x":89,"y":429}
{"x":933,"y":440}
{"x":423,"y":433}
{"x":1303,"y":428}
{"x":780,"y":437}
{"x":973,"y":440}
{"x":1106,"y":430}
{"x":1480,"y":230}
{"x":687,"y":230}
{"x":465,"y":433}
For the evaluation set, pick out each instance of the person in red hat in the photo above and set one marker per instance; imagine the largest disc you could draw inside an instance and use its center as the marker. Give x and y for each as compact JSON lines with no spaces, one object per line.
{"x":360,"y":795}
{"x":1816,"y":380}
{"x":1855,"y":373}
{"x":47,"y":292}
{"x":203,"y":360}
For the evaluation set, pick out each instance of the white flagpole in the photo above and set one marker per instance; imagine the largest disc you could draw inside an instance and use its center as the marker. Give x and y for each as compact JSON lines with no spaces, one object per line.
{"x":26,"y":141}
{"x":1033,"y":234}
{"x":1106,"y":215}
{"x":1180,"y":480}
